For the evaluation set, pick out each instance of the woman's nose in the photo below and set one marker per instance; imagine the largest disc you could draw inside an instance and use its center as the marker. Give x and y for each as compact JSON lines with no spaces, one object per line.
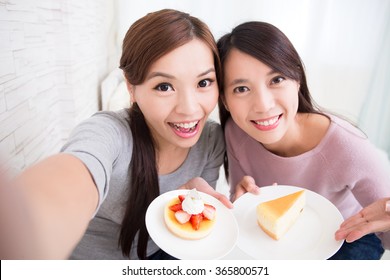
{"x":187,"y":102}
{"x":263,"y":100}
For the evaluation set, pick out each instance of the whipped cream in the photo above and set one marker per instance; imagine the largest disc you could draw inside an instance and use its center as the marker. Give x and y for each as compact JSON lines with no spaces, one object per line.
{"x":193,"y":203}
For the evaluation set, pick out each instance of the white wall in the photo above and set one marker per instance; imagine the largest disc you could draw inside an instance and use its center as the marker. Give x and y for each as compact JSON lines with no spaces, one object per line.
{"x":53,"y":56}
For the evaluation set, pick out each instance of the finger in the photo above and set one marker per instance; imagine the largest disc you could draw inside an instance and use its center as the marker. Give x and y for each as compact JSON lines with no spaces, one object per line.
{"x":239,"y":192}
{"x":201,"y":185}
{"x":358,"y":233}
{"x":249,"y":185}
{"x":253,"y":189}
{"x":350,"y":225}
{"x":341,"y":234}
{"x":351,"y":234}
{"x":225,"y":201}
{"x":363,"y":217}
{"x":367,"y":228}
{"x":354,"y":235}
{"x":221,"y":197}
{"x":353,"y":221}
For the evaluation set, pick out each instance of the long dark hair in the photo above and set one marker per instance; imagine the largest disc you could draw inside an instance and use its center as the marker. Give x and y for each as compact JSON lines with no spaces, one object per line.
{"x":147,"y":40}
{"x":271,"y":46}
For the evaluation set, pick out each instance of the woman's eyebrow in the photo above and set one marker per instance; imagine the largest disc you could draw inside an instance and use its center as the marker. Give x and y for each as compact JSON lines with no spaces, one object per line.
{"x":237,"y":81}
{"x":206,"y":72}
{"x":168,"y":76}
{"x":272,"y":72}
{"x":159,"y":74}
{"x":242,"y":81}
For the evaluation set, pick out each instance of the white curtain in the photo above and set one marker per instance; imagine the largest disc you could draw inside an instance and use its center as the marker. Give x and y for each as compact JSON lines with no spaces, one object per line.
{"x":375,"y":114}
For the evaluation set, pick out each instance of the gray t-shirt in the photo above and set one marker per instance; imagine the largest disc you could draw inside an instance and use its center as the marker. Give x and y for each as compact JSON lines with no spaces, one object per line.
{"x":104,"y":143}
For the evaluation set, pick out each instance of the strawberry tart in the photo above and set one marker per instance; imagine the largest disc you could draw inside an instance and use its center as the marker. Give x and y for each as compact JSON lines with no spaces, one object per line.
{"x":188,"y":217}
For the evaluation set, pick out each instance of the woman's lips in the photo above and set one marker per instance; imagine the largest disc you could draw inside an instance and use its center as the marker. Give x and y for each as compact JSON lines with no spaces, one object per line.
{"x":267,"y":124}
{"x":185,"y":129}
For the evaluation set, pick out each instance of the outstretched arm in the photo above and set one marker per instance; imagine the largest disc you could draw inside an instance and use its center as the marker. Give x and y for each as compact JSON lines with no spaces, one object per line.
{"x":45,"y":211}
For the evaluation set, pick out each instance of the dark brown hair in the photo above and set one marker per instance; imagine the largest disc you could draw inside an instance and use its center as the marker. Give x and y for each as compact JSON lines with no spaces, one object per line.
{"x":271,"y":46}
{"x":147,"y":40}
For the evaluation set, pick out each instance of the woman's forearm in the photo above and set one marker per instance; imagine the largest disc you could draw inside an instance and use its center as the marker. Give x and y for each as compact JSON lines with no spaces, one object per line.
{"x":45,"y":211}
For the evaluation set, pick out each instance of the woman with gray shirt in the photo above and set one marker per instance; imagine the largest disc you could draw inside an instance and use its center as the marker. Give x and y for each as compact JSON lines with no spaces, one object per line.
{"x":90,"y":200}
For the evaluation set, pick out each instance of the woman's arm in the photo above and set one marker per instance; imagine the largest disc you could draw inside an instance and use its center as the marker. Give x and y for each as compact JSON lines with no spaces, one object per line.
{"x":45,"y":211}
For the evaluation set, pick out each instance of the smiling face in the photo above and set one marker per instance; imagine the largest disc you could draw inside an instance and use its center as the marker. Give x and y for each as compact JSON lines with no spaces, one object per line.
{"x":178,"y":94}
{"x":261,"y":101}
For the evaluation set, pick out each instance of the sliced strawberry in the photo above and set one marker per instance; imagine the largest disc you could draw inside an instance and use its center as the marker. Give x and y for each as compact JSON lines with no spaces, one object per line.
{"x":175,"y":207}
{"x":209,"y":212}
{"x":196,"y":220}
{"x":182,"y":197}
{"x":182,"y":216}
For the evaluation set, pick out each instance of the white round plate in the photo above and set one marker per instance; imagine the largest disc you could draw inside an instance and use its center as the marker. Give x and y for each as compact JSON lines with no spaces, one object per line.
{"x":217,"y":244}
{"x":311,"y":237}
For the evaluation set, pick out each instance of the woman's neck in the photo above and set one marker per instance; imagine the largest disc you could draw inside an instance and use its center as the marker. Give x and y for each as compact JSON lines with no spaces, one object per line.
{"x":306,"y":133}
{"x":170,"y":159}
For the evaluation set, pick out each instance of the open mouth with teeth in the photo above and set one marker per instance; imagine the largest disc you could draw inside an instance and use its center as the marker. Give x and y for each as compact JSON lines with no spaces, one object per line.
{"x":267,"y":124}
{"x":185,"y":129}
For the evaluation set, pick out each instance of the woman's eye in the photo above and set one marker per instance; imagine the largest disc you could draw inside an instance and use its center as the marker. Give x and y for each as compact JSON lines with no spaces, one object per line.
{"x":240,"y":89}
{"x":164,"y":87}
{"x":277,"y":80}
{"x":204,"y":83}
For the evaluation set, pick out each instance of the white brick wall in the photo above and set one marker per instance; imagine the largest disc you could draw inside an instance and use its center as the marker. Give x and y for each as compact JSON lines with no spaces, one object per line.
{"x":53,"y":56}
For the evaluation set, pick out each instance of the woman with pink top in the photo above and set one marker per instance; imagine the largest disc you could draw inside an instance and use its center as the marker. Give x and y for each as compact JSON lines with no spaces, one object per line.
{"x":274,"y":133}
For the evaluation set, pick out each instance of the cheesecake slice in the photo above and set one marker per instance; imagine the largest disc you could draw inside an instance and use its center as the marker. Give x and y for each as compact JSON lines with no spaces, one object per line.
{"x":276,"y":217}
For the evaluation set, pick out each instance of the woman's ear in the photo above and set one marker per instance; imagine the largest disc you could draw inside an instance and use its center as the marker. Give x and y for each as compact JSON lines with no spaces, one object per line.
{"x":130,"y":89}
